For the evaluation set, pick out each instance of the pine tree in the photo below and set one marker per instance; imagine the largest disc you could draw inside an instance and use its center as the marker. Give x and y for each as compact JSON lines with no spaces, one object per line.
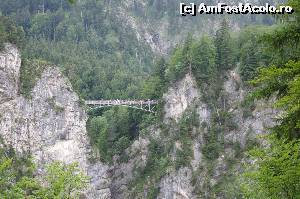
{"x":160,"y":69}
{"x":203,"y":63}
{"x":187,"y":51}
{"x":249,"y":61}
{"x":223,"y":42}
{"x":275,"y":173}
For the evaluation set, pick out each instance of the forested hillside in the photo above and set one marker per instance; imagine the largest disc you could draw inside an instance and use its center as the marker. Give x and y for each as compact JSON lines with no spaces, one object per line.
{"x":100,"y":55}
{"x":275,"y":174}
{"x":148,"y":15}
{"x":216,"y":132}
{"x":104,"y":47}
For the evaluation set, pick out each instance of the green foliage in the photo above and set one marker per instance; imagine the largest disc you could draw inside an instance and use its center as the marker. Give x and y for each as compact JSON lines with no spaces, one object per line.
{"x":147,"y":178}
{"x":221,"y":121}
{"x":9,"y":32}
{"x":275,"y":173}
{"x":249,"y":60}
{"x":153,"y":193}
{"x":196,"y":57}
{"x":188,"y":127}
{"x":64,"y":181}
{"x":152,"y":88}
{"x":225,"y":120}
{"x":114,"y":130}
{"x":284,"y":40}
{"x":224,"y":45}
{"x":30,"y":73}
{"x":175,"y":137}
{"x":184,"y":154}
{"x":252,"y":51}
{"x":13,"y":169}
{"x":98,"y":132}
{"x":98,"y":53}
{"x":189,"y":120}
{"x":247,"y":106}
{"x":72,"y":1}
{"x":157,"y":12}
{"x":54,"y":106}
{"x":211,"y":148}
{"x":203,"y":62}
{"x":103,"y":59}
{"x":17,"y":178}
{"x":155,"y":86}
{"x":156,"y":160}
{"x":176,"y":68}
{"x":284,"y":82}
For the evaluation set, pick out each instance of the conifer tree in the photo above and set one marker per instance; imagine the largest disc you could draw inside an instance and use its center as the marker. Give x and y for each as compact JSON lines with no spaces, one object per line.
{"x":249,"y":61}
{"x":203,"y":63}
{"x":160,"y":70}
{"x":224,"y":55}
{"x":187,"y":51}
{"x":275,"y":173}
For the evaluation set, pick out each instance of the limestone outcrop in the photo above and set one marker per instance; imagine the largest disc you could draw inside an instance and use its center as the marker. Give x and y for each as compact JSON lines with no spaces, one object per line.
{"x":51,"y":125}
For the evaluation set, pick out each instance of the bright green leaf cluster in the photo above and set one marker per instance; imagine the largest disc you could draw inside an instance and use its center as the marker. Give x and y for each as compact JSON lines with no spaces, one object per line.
{"x":17,"y":178}
{"x":275,"y":171}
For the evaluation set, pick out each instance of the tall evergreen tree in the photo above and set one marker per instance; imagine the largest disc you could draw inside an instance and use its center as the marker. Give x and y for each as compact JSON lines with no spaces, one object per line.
{"x":223,"y":43}
{"x":275,"y":173}
{"x":160,"y":69}
{"x":187,"y":51}
{"x":203,"y":63}
{"x":154,"y":87}
{"x":249,"y":60}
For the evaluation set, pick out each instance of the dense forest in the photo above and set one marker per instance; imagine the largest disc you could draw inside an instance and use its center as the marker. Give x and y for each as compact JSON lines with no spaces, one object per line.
{"x":103,"y":59}
{"x":82,"y":34}
{"x":99,"y":54}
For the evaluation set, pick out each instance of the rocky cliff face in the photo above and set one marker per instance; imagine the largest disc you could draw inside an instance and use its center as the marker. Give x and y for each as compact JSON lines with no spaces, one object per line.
{"x":50,"y":125}
{"x":179,"y":97}
{"x":202,"y":173}
{"x":159,"y":23}
{"x":10,"y":63}
{"x":200,"y":176}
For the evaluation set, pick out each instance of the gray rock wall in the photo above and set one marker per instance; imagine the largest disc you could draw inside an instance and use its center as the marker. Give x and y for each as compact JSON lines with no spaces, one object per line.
{"x":51,"y":125}
{"x":184,"y":94}
{"x":10,"y":63}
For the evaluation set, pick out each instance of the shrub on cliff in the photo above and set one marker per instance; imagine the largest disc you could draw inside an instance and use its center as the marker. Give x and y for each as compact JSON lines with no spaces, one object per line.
{"x":9,"y":32}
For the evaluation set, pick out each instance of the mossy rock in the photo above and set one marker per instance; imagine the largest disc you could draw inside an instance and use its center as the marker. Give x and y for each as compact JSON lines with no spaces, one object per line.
{"x":30,"y":72}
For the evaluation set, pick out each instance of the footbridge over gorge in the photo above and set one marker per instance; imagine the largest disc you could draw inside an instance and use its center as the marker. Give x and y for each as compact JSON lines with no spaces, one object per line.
{"x":146,"y":105}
